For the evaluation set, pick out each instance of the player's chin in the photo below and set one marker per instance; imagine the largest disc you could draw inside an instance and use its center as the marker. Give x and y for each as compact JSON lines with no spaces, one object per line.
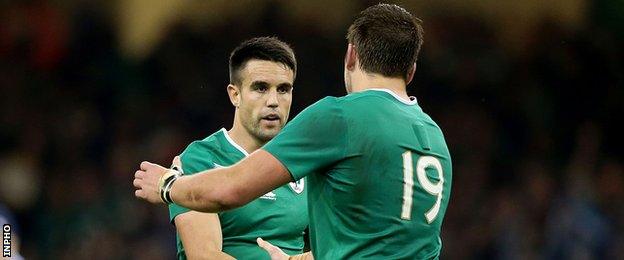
{"x":270,"y":131}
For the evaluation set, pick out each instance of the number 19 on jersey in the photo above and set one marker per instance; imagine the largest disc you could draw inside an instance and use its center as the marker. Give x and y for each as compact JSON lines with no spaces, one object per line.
{"x":435,"y":189}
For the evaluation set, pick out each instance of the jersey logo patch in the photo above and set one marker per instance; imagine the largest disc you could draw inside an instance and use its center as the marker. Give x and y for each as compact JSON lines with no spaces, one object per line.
{"x":269,"y":196}
{"x":297,"y":186}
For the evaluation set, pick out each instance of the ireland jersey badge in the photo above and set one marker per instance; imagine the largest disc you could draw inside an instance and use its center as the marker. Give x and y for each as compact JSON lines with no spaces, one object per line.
{"x":297,"y":186}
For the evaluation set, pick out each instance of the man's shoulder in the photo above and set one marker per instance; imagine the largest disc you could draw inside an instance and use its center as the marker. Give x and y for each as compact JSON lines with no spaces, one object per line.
{"x":329,"y":101}
{"x":206,"y":145}
{"x":342,"y":102}
{"x":201,"y":154}
{"x":327,"y":107}
{"x":358,"y":102}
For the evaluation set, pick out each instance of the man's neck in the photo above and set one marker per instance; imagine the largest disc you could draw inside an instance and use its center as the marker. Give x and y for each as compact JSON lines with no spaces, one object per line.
{"x":366,"y":81}
{"x":244,"y":139}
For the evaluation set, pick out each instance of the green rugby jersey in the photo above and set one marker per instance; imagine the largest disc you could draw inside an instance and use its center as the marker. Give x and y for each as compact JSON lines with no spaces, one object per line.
{"x":378,"y":172}
{"x":279,"y":217}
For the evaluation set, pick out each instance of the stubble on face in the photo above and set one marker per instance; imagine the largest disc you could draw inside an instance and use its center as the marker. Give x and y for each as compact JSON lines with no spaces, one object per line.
{"x":261,"y":120}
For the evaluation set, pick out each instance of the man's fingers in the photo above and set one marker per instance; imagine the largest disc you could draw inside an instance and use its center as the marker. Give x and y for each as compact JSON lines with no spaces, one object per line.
{"x":262,"y":243}
{"x":139,"y":194}
{"x":145,"y":165}
{"x":275,"y":252}
{"x":265,"y":245}
{"x":137,"y":183}
{"x":139,"y":174}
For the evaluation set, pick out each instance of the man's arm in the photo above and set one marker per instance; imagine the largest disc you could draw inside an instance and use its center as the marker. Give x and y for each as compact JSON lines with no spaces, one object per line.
{"x":200,"y":234}
{"x":321,"y":129}
{"x":221,"y":189}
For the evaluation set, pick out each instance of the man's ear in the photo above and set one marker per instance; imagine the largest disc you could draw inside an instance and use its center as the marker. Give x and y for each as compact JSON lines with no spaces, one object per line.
{"x":350,"y":57}
{"x":410,"y":74}
{"x":234,"y":94}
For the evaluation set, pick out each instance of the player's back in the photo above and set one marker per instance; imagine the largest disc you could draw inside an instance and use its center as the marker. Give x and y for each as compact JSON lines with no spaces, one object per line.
{"x":389,"y":194}
{"x":379,"y":175}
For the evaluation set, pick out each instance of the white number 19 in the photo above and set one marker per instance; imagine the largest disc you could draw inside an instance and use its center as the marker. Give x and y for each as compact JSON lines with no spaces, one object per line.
{"x":434,"y":189}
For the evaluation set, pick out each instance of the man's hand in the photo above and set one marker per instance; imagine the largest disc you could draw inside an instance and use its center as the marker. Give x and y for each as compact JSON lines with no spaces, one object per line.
{"x":146,"y":180}
{"x":275,"y":252}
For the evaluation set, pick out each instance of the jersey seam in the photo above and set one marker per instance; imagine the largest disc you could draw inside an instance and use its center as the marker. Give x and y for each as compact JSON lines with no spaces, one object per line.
{"x":343,"y":119}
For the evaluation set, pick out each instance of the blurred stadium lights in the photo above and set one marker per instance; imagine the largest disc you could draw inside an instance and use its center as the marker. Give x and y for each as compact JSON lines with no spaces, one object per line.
{"x":142,"y":24}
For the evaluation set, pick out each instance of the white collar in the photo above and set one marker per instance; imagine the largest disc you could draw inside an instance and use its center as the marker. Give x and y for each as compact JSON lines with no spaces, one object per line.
{"x":410,"y":102}
{"x":240,"y":148}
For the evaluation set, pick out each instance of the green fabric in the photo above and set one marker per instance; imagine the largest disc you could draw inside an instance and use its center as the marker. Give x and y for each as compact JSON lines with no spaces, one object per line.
{"x":351,"y":150}
{"x":279,"y":217}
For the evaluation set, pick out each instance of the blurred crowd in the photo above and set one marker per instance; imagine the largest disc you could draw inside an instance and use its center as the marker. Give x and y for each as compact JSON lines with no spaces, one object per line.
{"x":535,"y":134}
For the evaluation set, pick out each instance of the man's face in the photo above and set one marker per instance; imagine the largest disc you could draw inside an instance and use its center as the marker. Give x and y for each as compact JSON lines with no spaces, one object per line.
{"x":265,"y":97}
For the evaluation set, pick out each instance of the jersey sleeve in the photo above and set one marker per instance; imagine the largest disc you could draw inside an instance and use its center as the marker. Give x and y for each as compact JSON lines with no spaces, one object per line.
{"x":192,"y":163}
{"x":313,"y":140}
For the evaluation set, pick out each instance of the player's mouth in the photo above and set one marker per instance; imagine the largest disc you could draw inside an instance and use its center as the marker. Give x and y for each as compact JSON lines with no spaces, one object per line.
{"x":271,"y":118}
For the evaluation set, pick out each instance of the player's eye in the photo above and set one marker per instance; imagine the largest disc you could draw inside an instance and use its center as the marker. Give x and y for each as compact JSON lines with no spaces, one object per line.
{"x":259,"y":87}
{"x":283,"y":89}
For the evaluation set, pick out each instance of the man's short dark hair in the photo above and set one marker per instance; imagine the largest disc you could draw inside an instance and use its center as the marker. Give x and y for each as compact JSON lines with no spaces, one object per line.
{"x":387,"y":39}
{"x":260,"y":48}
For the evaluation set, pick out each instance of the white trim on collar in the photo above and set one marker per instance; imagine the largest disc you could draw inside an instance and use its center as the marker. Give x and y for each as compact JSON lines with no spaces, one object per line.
{"x":227,"y":136}
{"x":410,"y":102}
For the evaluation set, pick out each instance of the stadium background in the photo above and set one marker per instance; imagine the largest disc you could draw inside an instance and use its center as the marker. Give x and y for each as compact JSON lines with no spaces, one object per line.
{"x":530,"y":95}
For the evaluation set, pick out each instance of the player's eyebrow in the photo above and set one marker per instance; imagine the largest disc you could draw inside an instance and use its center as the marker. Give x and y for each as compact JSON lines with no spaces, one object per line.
{"x":259,"y":83}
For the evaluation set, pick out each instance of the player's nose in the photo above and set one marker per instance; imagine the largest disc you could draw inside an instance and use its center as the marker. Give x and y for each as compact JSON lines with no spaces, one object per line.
{"x":272,"y":99}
